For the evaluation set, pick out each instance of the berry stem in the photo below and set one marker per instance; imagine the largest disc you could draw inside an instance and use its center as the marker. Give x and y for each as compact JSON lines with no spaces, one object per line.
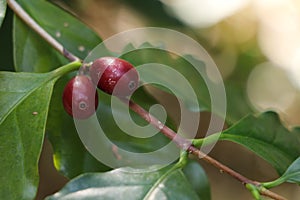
{"x":274,"y":183}
{"x":187,"y":145}
{"x":20,"y":12}
{"x":66,"y":69}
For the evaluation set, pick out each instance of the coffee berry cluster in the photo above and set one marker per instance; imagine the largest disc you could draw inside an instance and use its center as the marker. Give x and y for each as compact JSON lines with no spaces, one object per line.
{"x":112,"y":75}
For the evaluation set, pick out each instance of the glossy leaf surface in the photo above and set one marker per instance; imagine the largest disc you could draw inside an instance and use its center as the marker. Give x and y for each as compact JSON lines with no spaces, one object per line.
{"x":128,"y":183}
{"x":24,"y":102}
{"x":267,"y":137}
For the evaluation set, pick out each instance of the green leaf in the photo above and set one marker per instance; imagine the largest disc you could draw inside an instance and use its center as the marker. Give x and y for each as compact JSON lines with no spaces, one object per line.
{"x":268,"y":138}
{"x":70,"y":156}
{"x":24,"y":104}
{"x":292,"y":174}
{"x":33,"y":54}
{"x":197,"y":177}
{"x":2,"y":10}
{"x":128,"y":183}
{"x":24,"y":101}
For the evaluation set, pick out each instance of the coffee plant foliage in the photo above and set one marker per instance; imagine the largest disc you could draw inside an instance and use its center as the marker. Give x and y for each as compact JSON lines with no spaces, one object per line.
{"x":31,"y":111}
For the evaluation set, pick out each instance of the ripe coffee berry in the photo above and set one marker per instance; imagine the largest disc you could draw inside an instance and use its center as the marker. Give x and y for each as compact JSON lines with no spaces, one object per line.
{"x":80,"y":98}
{"x":109,"y":72}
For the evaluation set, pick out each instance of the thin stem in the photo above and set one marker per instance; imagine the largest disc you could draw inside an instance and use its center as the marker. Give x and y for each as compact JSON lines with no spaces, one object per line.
{"x":66,"y":69}
{"x":189,"y":147}
{"x":271,"y":194}
{"x":20,"y":12}
{"x":183,"y":159}
{"x":254,"y":191}
{"x":211,"y":139}
{"x":274,"y":183}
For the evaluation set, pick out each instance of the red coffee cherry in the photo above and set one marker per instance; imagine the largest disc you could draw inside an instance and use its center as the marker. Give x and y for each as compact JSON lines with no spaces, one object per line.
{"x":80,"y":97}
{"x":107,"y":72}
